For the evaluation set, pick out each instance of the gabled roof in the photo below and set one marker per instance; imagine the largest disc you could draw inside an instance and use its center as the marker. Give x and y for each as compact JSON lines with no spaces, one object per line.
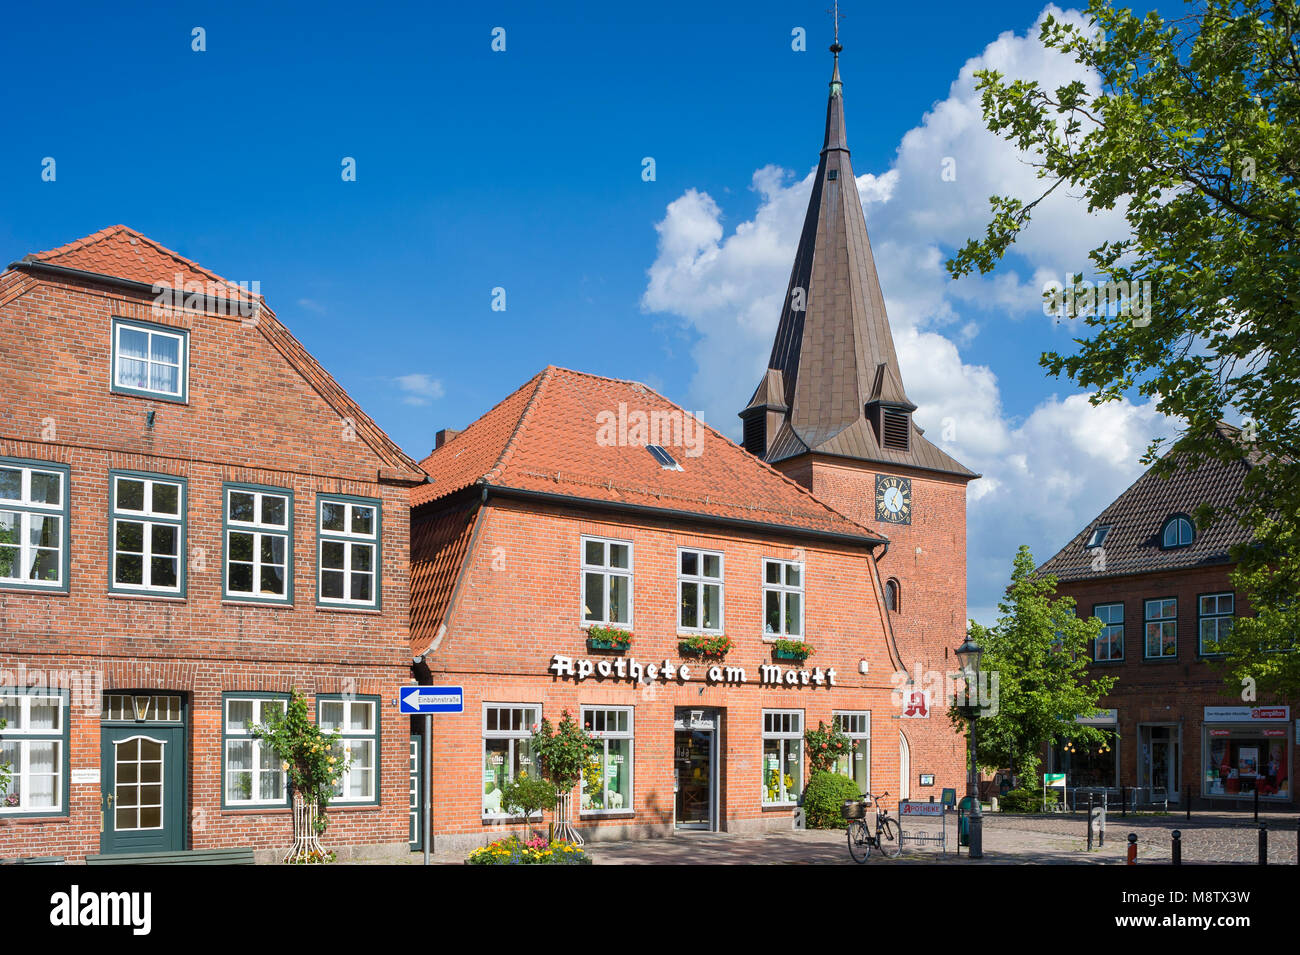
{"x":834,"y":348}
{"x":1136,"y":518}
{"x":572,"y":435}
{"x":121,"y":253}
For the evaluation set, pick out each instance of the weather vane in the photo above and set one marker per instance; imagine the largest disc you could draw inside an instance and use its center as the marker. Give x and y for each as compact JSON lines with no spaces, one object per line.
{"x":835,"y":12}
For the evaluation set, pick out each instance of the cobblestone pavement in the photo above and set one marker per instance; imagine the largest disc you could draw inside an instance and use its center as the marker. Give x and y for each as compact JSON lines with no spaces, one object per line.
{"x":1008,"y":840}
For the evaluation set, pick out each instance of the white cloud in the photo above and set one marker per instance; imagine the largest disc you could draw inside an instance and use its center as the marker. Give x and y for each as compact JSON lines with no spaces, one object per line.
{"x":419,"y":389}
{"x":1044,"y":476}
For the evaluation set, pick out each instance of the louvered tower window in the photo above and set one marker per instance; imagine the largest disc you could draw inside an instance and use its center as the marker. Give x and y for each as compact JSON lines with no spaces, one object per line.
{"x":895,"y":429}
{"x":756,"y":434}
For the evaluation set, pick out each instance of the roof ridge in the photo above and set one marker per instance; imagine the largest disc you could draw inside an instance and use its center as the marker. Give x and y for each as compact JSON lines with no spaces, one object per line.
{"x":542,"y":378}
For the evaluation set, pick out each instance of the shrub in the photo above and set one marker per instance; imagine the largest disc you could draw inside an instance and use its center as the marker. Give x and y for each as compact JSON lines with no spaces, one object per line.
{"x":825,"y":746}
{"x":823,"y":798}
{"x":1027,"y":801}
{"x":526,"y":795}
{"x":514,"y":851}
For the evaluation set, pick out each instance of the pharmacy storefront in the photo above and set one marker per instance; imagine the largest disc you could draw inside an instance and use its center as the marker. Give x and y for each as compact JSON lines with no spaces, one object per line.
{"x":1245,"y":750}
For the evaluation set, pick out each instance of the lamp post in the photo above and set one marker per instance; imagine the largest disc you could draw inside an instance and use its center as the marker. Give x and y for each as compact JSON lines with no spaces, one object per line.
{"x":968,"y":654}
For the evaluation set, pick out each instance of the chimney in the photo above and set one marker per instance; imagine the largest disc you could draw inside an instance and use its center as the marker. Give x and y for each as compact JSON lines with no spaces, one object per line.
{"x":445,"y":435}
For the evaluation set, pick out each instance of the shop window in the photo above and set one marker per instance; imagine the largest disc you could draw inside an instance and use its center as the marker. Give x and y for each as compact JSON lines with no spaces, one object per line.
{"x":1241,"y":760}
{"x":34,"y":539}
{"x":507,"y":749}
{"x":607,"y":779}
{"x":606,"y":582}
{"x":348,"y":535}
{"x":782,"y":757}
{"x":356,"y":720}
{"x":783,"y":599}
{"x":699,"y":591}
{"x":251,"y":772}
{"x":1109,"y":644}
{"x":1215,"y":620}
{"x":1162,"y":629}
{"x":34,"y":747}
{"x":259,"y":540}
{"x":856,"y":764}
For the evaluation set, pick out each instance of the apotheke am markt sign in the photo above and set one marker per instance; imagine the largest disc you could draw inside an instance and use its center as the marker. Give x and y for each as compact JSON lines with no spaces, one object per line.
{"x":633,"y":671}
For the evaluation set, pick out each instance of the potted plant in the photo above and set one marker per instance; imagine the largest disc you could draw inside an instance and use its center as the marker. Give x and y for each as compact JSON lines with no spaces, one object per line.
{"x":700,"y":645}
{"x":562,"y":753}
{"x":608,"y":638}
{"x":314,"y":763}
{"x":791,"y":650}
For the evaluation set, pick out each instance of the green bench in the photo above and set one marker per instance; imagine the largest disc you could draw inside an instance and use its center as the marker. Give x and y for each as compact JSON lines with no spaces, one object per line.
{"x":242,"y":856}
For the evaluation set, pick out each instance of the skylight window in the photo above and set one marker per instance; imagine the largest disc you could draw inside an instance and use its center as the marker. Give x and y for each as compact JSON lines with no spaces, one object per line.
{"x":1098,"y":536}
{"x":666,"y":460}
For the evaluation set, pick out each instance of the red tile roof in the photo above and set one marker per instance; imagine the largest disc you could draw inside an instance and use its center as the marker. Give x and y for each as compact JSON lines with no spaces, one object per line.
{"x":547,"y":438}
{"x":439,"y":543}
{"x":122,"y":253}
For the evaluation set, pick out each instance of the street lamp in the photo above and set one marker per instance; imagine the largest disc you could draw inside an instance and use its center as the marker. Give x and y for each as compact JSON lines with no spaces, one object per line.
{"x":968,"y":655}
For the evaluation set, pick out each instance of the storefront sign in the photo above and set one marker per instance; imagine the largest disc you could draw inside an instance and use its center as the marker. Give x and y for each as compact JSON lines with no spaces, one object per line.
{"x":633,"y":671}
{"x":916,"y":704}
{"x":1101,"y":718}
{"x":1247,"y":714}
{"x":920,"y":809}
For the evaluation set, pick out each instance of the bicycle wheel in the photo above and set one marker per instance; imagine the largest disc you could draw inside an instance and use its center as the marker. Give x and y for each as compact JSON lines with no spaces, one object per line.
{"x":859,"y":840}
{"x":890,"y":842}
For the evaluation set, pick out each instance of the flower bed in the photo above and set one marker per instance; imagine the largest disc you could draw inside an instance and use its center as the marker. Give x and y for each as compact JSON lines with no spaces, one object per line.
{"x":514,"y":851}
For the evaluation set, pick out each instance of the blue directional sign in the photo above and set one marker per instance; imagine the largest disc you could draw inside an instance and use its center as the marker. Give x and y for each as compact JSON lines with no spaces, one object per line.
{"x":431,"y":699}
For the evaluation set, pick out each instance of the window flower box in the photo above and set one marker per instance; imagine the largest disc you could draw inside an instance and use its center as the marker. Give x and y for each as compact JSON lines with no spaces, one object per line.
{"x":792,"y":650}
{"x":608,"y":638}
{"x":701,"y":646}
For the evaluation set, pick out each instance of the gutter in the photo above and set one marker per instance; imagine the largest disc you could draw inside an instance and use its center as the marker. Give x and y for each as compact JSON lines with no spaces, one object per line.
{"x":130,"y":285}
{"x":646,"y":510}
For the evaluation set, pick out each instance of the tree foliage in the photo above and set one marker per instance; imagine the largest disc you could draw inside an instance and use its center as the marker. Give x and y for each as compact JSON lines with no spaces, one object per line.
{"x":312,"y":758}
{"x":562,"y":751}
{"x":1039,"y":649}
{"x":1192,"y":131}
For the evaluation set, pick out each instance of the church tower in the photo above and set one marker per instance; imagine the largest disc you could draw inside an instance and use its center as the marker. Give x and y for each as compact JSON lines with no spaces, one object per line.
{"x":832,"y":413}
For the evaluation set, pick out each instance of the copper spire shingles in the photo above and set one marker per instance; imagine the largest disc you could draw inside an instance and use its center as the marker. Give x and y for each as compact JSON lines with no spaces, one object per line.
{"x":833,"y":349}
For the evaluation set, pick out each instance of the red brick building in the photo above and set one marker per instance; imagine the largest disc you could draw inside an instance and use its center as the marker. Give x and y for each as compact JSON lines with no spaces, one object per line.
{"x":1161,"y":586}
{"x":194,"y":518}
{"x":582,"y":502}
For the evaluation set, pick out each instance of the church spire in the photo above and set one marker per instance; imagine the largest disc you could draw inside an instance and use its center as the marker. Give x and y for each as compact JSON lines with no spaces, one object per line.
{"x":833,"y":385}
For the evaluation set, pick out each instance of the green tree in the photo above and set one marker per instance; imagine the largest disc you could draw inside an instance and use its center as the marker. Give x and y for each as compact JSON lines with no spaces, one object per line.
{"x":562,"y":751}
{"x":1193,"y":132}
{"x":312,"y":758}
{"x":1039,"y":650}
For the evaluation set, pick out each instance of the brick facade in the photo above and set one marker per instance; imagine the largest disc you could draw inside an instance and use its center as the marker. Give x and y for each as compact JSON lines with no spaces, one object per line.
{"x":251,"y":417}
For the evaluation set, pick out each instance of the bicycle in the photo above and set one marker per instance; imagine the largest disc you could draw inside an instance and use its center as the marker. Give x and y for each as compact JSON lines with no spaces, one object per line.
{"x":887,"y":837}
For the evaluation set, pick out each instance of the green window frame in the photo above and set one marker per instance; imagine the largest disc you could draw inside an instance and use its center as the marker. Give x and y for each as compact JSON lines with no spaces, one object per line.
{"x":349,"y":552}
{"x":1109,"y":645}
{"x":1161,"y":628}
{"x":782,"y":757}
{"x":356,"y":718}
{"x":146,"y":533}
{"x":855,"y":764}
{"x":34,"y":745}
{"x":35,"y":538}
{"x":257,"y":541}
{"x":147,"y":357}
{"x":1215,"y":614}
{"x":251,"y":774}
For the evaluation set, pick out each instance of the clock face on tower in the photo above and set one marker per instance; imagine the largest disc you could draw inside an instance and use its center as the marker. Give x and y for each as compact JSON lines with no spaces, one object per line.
{"x":893,"y":499}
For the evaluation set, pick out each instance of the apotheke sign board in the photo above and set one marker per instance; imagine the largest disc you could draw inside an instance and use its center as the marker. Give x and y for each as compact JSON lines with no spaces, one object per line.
{"x":634,"y":671}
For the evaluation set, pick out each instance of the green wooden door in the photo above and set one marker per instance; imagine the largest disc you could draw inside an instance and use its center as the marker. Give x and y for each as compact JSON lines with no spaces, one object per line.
{"x":142,"y":790}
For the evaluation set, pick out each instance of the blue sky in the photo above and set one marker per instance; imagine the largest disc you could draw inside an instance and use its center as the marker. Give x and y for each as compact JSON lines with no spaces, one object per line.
{"x":521,"y":170}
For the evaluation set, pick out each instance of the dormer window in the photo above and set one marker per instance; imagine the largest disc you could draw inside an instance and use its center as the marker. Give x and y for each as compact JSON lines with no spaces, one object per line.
{"x":1098,"y":536}
{"x":895,"y":429}
{"x":1178,"y":532}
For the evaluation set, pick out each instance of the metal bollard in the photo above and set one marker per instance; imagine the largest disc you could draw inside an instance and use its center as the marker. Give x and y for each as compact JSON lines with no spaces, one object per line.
{"x":1187,"y":793}
{"x":1123,"y":802}
{"x":1178,"y":847}
{"x":1089,"y":822}
{"x":1257,"y":802}
{"x":1132,"y":849}
{"x":1263,"y":843}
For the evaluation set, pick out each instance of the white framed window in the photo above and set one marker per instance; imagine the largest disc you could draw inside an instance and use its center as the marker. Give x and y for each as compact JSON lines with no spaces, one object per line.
{"x":856,"y":763}
{"x":607,"y":780}
{"x":782,"y":757}
{"x":1215,"y":615}
{"x":348,"y":538}
{"x":1162,"y":628}
{"x":1110,"y":642}
{"x":33,"y":744}
{"x":147,"y":543}
{"x":150,"y":360}
{"x":259,"y":540}
{"x":251,"y":772}
{"x":507,"y":748}
{"x":606,"y":582}
{"x":33,"y":524}
{"x":699,"y":591}
{"x":783,"y":599}
{"x":356,"y":720}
